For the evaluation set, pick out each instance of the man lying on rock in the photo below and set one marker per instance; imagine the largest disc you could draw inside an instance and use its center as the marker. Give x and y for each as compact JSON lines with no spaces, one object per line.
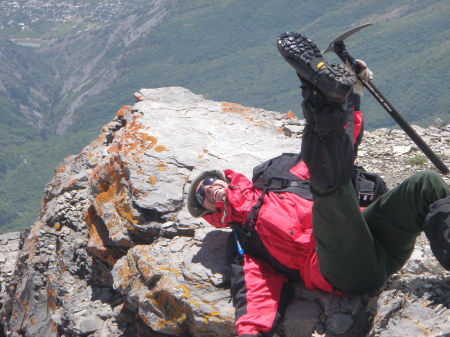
{"x":327,"y":243}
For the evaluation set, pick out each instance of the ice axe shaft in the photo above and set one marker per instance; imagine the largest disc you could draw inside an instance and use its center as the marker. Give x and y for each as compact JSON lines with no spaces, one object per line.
{"x":406,"y":127}
{"x":344,"y":56}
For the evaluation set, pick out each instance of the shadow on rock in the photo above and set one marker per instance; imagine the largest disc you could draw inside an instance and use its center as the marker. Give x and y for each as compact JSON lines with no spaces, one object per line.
{"x":214,"y":254}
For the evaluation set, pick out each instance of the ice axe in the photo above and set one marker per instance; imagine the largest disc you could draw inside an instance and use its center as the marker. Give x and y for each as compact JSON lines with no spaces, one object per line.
{"x":343,"y":54}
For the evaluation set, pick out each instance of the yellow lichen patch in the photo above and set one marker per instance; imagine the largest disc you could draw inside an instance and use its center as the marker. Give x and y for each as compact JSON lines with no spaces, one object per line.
{"x":57,"y":226}
{"x":173,"y":270}
{"x":291,"y":115}
{"x":200,"y":156}
{"x":210,"y":316}
{"x":186,"y":291}
{"x":161,"y":167}
{"x":234,"y":108}
{"x":174,"y":312}
{"x":123,"y":208}
{"x":193,"y":302}
{"x":160,"y":148}
{"x":280,"y":131}
{"x":152,"y":180}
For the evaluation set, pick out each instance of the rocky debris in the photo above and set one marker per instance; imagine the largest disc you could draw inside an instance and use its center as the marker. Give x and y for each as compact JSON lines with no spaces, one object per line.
{"x":114,"y":251}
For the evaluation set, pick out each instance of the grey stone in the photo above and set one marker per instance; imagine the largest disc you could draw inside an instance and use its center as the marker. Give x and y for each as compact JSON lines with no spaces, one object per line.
{"x":339,"y":323}
{"x":88,"y":325}
{"x":301,"y":318}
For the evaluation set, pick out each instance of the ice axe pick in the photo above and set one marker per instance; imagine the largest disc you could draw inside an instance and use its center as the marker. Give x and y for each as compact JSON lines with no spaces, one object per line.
{"x":343,"y":54}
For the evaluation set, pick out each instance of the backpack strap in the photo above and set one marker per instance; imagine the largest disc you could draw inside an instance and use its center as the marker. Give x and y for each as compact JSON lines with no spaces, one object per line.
{"x":250,"y":223}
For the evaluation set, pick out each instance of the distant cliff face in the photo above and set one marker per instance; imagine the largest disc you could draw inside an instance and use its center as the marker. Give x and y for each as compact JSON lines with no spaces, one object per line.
{"x":114,"y":251}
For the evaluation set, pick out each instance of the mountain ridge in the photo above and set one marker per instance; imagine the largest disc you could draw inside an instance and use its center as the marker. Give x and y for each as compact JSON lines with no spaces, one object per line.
{"x":222,"y":50}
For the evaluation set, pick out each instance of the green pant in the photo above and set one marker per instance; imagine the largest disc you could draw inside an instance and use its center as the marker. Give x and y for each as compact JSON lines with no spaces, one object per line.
{"x":357,"y":251}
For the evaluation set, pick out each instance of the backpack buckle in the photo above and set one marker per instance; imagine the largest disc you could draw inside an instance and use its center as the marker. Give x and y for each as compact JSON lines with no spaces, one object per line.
{"x":366,"y":196}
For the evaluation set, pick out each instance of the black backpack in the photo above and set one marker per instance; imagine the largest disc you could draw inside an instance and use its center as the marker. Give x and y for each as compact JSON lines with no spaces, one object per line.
{"x":273,"y":176}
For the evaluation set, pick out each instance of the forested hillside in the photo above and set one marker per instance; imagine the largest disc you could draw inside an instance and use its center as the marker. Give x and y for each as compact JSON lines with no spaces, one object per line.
{"x":55,"y":98}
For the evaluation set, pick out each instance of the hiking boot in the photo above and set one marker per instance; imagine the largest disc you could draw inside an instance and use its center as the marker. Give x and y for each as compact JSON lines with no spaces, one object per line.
{"x":331,"y":79}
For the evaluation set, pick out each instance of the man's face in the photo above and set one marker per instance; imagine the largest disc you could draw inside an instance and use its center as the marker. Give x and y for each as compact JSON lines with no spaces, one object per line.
{"x":210,"y":190}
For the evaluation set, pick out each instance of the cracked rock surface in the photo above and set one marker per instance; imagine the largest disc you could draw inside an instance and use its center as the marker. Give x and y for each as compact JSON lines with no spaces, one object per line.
{"x":114,"y":251}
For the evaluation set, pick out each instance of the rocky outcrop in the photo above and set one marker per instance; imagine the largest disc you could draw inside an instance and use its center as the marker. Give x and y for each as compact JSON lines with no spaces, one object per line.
{"x":9,"y":248}
{"x":114,"y":251}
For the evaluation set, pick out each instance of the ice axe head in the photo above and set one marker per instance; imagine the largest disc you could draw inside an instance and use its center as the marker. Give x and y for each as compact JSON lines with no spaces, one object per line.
{"x":338,"y":46}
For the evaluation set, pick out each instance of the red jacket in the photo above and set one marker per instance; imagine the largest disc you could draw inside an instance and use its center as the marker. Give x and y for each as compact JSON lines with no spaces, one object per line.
{"x":284,"y":226}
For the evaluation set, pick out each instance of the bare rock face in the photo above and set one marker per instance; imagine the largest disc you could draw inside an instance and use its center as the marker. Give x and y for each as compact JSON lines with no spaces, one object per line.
{"x":114,"y":251}
{"x":9,"y":248}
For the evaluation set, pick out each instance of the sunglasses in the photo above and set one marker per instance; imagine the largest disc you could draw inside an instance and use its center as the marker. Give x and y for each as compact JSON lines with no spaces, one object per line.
{"x":200,"y":194}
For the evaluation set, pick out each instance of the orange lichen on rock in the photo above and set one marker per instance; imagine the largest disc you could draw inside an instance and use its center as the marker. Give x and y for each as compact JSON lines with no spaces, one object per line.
{"x":106,"y":179}
{"x":98,"y":235}
{"x":234,"y":108}
{"x":136,"y":141}
{"x":280,"y":131}
{"x":114,"y":149}
{"x":70,"y":182}
{"x":152,"y":180}
{"x":160,"y":148}
{"x":126,"y":275}
{"x":123,"y":110}
{"x":51,"y":297}
{"x":148,"y":141}
{"x":161,"y":167}
{"x":124,"y":209}
{"x":60,"y":169}
{"x":138,"y":97}
{"x":291,"y":115}
{"x":134,"y":126}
